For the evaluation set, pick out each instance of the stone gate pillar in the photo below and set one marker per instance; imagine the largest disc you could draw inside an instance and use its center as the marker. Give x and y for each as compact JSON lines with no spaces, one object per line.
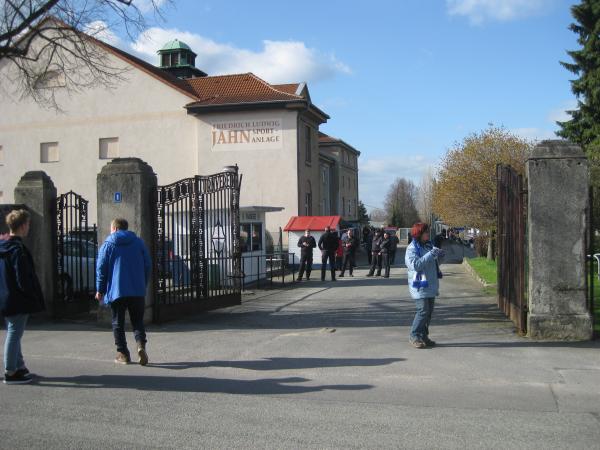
{"x":37,"y":191}
{"x":127,"y":188}
{"x":558,"y":183}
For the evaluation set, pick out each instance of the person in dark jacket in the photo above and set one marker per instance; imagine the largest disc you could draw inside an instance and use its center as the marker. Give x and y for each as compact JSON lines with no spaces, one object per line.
{"x":328,"y":244}
{"x":122,"y":274}
{"x":385,"y":251}
{"x":394,"y":241}
{"x":350,"y":244}
{"x":20,"y":294}
{"x":376,"y":254}
{"x":368,"y":242}
{"x":306,"y":244}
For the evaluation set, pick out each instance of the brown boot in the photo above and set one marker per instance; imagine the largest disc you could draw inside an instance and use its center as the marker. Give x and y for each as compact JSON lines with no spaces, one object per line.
{"x":122,"y":358}
{"x":142,"y":354}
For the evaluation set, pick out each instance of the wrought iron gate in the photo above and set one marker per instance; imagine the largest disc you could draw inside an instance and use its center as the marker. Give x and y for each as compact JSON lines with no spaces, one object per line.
{"x":593,"y":269}
{"x":511,"y":244}
{"x":198,"y":254}
{"x":76,"y":252}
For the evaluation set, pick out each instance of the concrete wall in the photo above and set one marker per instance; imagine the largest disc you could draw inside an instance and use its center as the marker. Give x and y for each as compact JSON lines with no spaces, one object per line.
{"x":145,"y":114}
{"x":558,"y":184}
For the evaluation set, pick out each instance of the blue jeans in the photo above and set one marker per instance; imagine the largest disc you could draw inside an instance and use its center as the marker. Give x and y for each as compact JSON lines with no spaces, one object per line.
{"x":420,"y":326}
{"x":135,"y":306}
{"x":15,"y":327}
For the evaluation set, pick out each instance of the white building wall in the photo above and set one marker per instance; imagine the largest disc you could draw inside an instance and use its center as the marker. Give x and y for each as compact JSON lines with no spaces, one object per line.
{"x":270,"y":171}
{"x":145,"y":114}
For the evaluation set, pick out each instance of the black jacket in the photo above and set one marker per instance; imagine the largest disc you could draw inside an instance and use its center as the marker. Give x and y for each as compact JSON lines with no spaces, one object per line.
{"x":20,"y":290}
{"x":376,"y":244}
{"x":385,"y":245}
{"x":329,"y":242}
{"x":307,"y":249}
{"x":350,"y":245}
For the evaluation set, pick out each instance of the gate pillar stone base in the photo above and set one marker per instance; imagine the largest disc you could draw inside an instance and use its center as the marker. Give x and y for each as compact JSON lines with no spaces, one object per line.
{"x":558,"y":182}
{"x":37,"y":191}
{"x":127,"y":188}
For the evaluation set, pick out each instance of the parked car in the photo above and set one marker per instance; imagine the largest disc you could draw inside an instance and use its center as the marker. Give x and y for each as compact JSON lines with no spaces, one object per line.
{"x":77,"y":258}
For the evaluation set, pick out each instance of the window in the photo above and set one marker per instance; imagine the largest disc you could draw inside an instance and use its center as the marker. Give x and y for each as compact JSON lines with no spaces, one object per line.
{"x":308,"y":143}
{"x":175,"y":59}
{"x":343,"y":206}
{"x":49,"y":152}
{"x":1,"y":155}
{"x":109,"y":148}
{"x":165,"y":60}
{"x":50,"y":79}
{"x":251,"y":237}
{"x":308,"y":200}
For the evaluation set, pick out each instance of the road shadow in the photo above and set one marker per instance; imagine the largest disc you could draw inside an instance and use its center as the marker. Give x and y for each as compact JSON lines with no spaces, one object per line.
{"x":267,"y":386}
{"x":281,"y":363}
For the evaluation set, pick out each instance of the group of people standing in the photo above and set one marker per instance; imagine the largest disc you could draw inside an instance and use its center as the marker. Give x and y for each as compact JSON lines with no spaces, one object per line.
{"x":329,"y":243}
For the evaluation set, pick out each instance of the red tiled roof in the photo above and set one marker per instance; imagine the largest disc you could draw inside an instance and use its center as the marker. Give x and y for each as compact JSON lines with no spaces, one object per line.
{"x":312,"y":223}
{"x":326,"y":138}
{"x":290,"y":88}
{"x":239,"y":88}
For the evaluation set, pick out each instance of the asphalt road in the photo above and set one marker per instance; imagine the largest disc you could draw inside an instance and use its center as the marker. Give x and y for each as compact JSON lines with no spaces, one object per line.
{"x":322,"y":365}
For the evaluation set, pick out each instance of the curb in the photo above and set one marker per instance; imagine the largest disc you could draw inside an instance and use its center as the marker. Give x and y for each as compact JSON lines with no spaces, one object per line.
{"x":475,"y":275}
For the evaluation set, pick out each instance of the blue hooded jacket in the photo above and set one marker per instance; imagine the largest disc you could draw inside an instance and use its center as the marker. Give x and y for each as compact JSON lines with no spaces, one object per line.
{"x":123,"y":267}
{"x":422,"y":258}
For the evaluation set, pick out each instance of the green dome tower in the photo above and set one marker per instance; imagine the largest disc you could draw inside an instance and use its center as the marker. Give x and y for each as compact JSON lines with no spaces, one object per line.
{"x":178,"y":59}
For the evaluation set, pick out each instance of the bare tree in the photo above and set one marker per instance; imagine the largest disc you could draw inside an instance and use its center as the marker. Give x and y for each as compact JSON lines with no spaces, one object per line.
{"x":53,"y":43}
{"x":400,"y":203}
{"x":425,"y":195}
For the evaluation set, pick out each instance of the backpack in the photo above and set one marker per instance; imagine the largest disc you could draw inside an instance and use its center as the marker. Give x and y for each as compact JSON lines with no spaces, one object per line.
{"x":6,"y":280}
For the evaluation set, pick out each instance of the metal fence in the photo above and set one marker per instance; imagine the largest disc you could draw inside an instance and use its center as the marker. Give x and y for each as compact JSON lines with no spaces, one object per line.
{"x":197,"y":245}
{"x":511,"y":245}
{"x":269,"y":270}
{"x":76,"y":253}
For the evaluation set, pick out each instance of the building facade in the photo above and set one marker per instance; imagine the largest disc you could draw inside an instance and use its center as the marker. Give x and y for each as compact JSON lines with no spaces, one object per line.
{"x":181,"y":122}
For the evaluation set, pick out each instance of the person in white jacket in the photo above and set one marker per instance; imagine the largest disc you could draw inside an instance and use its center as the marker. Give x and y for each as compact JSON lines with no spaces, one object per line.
{"x":423,"y":282}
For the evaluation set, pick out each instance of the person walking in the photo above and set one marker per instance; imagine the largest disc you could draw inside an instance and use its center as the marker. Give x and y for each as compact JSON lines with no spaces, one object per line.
{"x":328,"y":244}
{"x":423,"y":282}
{"x":385,"y":250}
{"x":306,"y":244}
{"x":349,"y":247}
{"x":122,"y":274}
{"x":20,"y":294}
{"x":376,"y":254}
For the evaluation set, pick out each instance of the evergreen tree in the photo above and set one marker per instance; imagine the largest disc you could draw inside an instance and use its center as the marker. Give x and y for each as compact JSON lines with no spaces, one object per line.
{"x":363,"y":216}
{"x":584,"y":126}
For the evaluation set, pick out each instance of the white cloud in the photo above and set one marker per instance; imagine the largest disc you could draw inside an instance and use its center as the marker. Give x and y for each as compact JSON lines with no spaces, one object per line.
{"x":147,"y":6}
{"x":276,"y":62}
{"x":534,"y":134}
{"x":100,"y":30}
{"x":377,"y":174}
{"x":479,"y":11}
{"x":560,"y":114}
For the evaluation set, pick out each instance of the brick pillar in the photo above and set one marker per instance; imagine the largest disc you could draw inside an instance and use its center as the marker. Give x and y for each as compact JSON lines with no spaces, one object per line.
{"x":558,"y":183}
{"x":127,"y":188}
{"x":37,"y":191}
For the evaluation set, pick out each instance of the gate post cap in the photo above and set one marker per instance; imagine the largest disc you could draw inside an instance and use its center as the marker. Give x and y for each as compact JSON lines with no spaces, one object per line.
{"x":126,"y":166}
{"x":557,"y":149}
{"x":35,"y":177}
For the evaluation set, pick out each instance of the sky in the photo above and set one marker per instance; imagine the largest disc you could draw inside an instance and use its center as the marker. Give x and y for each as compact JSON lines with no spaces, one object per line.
{"x":403,"y":80}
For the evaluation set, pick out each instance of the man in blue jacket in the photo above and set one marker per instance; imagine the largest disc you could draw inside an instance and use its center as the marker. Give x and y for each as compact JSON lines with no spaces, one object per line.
{"x":122,"y":274}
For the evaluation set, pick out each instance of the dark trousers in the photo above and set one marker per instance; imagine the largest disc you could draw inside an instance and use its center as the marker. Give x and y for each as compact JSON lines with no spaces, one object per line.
{"x":324,"y":257}
{"x":369,"y":254}
{"x":348,"y":263}
{"x":375,"y":263}
{"x":135,"y":306}
{"x":306,"y":261}
{"x":385,"y":262}
{"x":392,"y":257}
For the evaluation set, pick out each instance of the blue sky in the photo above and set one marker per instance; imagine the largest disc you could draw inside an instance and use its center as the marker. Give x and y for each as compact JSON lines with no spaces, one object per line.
{"x":402,"y":80}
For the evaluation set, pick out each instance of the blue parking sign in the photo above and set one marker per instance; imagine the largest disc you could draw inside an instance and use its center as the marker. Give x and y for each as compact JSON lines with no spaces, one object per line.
{"x":117,"y":197}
